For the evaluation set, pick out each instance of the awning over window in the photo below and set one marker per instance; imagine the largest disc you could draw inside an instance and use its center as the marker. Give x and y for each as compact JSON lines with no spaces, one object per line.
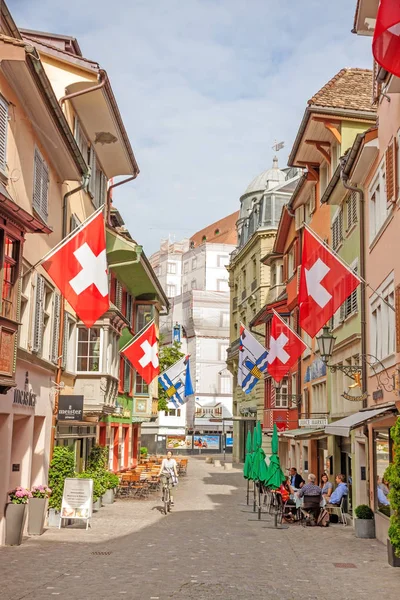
{"x":303,"y":433}
{"x":344,"y":426}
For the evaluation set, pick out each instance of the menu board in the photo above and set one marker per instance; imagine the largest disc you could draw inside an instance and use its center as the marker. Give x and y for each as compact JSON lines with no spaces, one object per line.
{"x":77,"y":501}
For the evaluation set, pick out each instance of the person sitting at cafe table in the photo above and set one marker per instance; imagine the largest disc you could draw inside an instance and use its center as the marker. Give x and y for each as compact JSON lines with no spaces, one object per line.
{"x":340,"y":491}
{"x":310,"y":488}
{"x":296,"y":479}
{"x":326,"y":486}
{"x":382,"y":500}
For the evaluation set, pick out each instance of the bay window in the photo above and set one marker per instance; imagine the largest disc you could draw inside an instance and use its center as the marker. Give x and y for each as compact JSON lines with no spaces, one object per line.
{"x":144,"y":314}
{"x":89,"y":350}
{"x":141,"y":387}
{"x":9,"y":276}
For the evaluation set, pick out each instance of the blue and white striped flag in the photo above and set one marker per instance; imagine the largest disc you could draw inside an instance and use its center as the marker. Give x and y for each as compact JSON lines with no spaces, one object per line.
{"x":253,"y":360}
{"x":177,"y":383}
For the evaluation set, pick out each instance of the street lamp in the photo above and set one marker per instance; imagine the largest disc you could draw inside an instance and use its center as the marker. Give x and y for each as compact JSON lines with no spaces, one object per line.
{"x":326,"y":342}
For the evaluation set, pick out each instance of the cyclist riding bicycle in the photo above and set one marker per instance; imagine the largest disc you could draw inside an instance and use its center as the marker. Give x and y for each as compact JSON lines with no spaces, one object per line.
{"x":168,"y":473}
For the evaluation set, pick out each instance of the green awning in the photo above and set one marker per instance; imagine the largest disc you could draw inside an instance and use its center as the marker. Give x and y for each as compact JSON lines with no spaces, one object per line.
{"x":129,"y":263}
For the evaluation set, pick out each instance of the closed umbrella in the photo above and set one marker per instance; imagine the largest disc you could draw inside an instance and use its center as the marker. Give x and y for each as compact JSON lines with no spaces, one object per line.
{"x":249,"y":456}
{"x":275,"y":476}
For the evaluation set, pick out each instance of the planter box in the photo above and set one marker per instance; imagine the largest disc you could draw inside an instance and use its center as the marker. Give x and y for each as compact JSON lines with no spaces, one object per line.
{"x":394,"y":561}
{"x":15,"y":523}
{"x":364,"y":528}
{"x":53,"y":518}
{"x":108,"y":497}
{"x":97,"y":504}
{"x":37,"y":509}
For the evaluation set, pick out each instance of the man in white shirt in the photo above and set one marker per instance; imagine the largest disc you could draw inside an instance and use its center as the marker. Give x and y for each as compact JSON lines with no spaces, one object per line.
{"x":168,"y":473}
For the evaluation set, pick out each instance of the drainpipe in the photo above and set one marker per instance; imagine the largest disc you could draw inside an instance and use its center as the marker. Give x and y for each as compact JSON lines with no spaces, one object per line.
{"x":352,"y":188}
{"x":103,"y":80}
{"x":109,"y":201}
{"x":62,"y":314}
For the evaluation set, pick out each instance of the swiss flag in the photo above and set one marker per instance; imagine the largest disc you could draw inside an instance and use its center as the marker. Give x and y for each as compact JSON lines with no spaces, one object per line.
{"x":325,"y":283}
{"x":386,"y":41}
{"x":142,"y":352}
{"x":78,"y":267}
{"x":285,"y":348}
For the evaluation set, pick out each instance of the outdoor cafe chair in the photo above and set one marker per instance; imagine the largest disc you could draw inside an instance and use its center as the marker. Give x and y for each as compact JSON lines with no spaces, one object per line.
{"x":339,"y":510}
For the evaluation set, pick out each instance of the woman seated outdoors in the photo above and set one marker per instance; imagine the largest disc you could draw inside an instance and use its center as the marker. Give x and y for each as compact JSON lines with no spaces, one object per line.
{"x":286,"y":491}
{"x":326,"y":487}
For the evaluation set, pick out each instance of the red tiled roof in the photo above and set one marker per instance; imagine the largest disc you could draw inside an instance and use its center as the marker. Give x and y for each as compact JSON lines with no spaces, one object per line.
{"x":349,"y":89}
{"x":220,"y":232}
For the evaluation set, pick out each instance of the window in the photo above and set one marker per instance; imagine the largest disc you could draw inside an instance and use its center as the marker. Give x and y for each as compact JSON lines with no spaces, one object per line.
{"x":75,"y":222}
{"x":144,"y":314}
{"x":294,"y":384}
{"x":40,"y":185}
{"x":173,"y":412}
{"x":383,"y":322}
{"x":171,"y":291}
{"x":225,"y":384}
{"x":46,"y":317}
{"x":383,"y":456}
{"x":81,"y":140}
{"x":127,"y":376}
{"x":323,"y":179}
{"x":378,"y":207}
{"x":281,"y":396}
{"x":186,"y":266}
{"x":222,"y":352}
{"x":193,"y":284}
{"x":171,"y":268}
{"x":3,"y":134}
{"x":319,"y":402}
{"x":100,"y":191}
{"x":194,"y":263}
{"x":118,"y":295}
{"x":141,"y":387}
{"x":69,"y":343}
{"x":290,"y":259}
{"x":88,"y":352}
{"x":9,"y":276}
{"x":337,"y":229}
{"x":351,"y":209}
{"x":129,"y":307}
{"x":185,"y":288}
{"x":350,"y":305}
{"x":222,"y":260}
{"x":222,"y":285}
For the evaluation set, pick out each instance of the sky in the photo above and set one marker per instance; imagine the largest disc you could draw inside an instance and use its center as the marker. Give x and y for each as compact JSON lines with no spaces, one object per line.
{"x":205,"y":88}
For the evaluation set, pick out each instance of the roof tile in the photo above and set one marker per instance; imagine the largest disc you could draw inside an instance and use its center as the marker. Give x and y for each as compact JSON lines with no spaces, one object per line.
{"x":349,"y":89}
{"x":220,"y":232}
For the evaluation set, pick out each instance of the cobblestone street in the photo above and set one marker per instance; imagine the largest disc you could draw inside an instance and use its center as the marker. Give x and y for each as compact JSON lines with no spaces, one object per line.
{"x":207,"y":548}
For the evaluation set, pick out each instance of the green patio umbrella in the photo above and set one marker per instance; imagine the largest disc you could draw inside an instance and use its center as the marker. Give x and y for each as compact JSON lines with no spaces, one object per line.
{"x":249,"y":456}
{"x":275,"y":476}
{"x":259,"y":469}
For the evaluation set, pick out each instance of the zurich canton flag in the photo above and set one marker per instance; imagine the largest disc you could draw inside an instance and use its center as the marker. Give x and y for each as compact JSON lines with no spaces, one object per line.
{"x":177,"y":383}
{"x":252,"y":360}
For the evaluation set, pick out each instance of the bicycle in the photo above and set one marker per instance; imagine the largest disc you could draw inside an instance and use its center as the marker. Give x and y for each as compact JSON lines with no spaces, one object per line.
{"x":166,"y":495}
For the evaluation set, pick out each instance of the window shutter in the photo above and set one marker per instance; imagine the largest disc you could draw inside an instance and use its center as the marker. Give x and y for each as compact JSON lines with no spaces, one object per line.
{"x":65,"y":341}
{"x":92,"y":180}
{"x":376,"y":86}
{"x":56,"y":327}
{"x":40,"y":185}
{"x":285,"y":268}
{"x":129,"y":304}
{"x":299,"y":217}
{"x":118,"y":295}
{"x":3,"y":133}
{"x":337,"y":229}
{"x":127,"y":377}
{"x":390,"y":172}
{"x":38,"y":315}
{"x":352,"y":210}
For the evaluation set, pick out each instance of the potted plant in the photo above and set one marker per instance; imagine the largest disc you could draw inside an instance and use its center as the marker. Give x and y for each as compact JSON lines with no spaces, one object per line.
{"x":97,"y":470}
{"x":392,"y":476}
{"x":112,"y":481}
{"x":143,"y":452}
{"x":61,"y":467}
{"x":38,"y":508}
{"x":364,"y":523}
{"x":99,"y":486}
{"x":16,"y":515}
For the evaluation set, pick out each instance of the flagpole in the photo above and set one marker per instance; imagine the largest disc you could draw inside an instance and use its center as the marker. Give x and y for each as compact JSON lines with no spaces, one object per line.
{"x":66,"y":239}
{"x":346,"y":265}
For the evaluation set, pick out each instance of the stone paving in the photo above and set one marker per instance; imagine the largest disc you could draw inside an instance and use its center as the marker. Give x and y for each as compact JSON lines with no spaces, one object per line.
{"x":206,"y":549}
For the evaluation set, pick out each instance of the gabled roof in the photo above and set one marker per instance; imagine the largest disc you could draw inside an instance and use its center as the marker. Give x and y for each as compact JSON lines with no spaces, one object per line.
{"x":349,"y":89}
{"x":220,"y":232}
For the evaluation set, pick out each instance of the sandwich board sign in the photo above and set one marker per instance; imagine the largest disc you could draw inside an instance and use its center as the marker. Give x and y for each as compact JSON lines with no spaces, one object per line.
{"x":77,"y":501}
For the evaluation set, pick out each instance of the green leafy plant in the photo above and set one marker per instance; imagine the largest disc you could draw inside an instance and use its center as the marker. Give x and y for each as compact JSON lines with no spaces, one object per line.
{"x":143,"y":451}
{"x":61,"y":467}
{"x":167,"y":356}
{"x":392,"y":476}
{"x":99,"y":482}
{"x":363,"y":511}
{"x":98,"y":458}
{"x":112,"y":480}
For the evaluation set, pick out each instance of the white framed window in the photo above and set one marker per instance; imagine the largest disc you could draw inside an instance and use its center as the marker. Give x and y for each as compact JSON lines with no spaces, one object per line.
{"x":225,"y":384}
{"x":40,"y":185}
{"x":69,"y":344}
{"x":89,"y":347}
{"x":378,"y":206}
{"x":337,"y":229}
{"x":222,"y":260}
{"x":3,"y":134}
{"x":194,"y":263}
{"x":186,"y":266}
{"x":383,"y":321}
{"x":281,"y":395}
{"x":293,"y":384}
{"x":319,"y":400}
{"x":171,"y":291}
{"x":171,"y":268}
{"x":351,"y":210}
{"x":222,"y":285}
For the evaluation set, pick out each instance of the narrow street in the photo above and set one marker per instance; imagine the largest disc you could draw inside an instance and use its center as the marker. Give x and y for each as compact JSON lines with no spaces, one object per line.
{"x":207,"y":548}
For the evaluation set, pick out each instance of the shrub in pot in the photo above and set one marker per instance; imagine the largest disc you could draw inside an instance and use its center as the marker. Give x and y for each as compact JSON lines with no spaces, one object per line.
{"x":37,"y":509}
{"x":364,"y":523}
{"x":143,"y":452}
{"x":392,"y":476}
{"x":61,"y":467}
{"x":99,"y":485}
{"x":16,"y":515}
{"x":112,"y":481}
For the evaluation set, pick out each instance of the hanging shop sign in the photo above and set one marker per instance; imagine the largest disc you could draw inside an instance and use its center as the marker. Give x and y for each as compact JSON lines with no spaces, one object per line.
{"x":313,"y":422}
{"x":70,"y":408}
{"x":353,"y":398}
{"x":77,"y":501}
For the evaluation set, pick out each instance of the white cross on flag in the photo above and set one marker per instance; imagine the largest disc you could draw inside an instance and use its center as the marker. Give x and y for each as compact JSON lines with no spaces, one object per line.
{"x":78,"y":267}
{"x":142,"y":353}
{"x":285,"y":348}
{"x":325,"y":283}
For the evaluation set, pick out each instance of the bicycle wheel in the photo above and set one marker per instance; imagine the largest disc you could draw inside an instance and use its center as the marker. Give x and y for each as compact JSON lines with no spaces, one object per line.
{"x":166,"y":499}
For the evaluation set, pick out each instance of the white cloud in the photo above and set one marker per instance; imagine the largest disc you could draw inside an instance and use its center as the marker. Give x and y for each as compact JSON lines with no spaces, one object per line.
{"x":204,"y":87}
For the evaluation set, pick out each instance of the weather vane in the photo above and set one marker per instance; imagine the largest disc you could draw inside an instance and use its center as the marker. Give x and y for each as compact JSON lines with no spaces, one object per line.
{"x":278,"y":146}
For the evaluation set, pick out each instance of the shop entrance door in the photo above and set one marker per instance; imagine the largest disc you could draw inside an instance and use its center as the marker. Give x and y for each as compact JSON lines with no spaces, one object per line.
{"x":346,"y":469}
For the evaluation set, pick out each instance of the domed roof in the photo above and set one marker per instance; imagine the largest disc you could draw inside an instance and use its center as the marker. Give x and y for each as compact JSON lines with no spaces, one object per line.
{"x":267,"y":179}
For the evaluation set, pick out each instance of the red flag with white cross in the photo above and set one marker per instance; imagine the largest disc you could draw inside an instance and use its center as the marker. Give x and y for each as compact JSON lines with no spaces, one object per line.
{"x":386,"y":41}
{"x":142,"y":353}
{"x":285,"y":348}
{"x":78,"y":267}
{"x":325,"y":283}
